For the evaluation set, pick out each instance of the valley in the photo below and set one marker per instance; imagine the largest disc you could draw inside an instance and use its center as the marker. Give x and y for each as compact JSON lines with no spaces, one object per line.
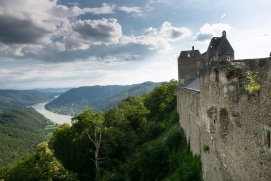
{"x":98,"y":98}
{"x":25,"y":121}
{"x":140,"y":131}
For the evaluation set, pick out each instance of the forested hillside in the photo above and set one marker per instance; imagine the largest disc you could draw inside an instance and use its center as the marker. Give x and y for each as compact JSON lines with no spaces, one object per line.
{"x":140,"y":139}
{"x":20,"y":133}
{"x":15,"y":99}
{"x":53,"y":91}
{"x":99,"y":98}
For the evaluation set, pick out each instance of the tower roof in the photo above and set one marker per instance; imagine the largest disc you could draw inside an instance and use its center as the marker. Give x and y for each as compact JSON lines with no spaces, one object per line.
{"x":220,"y":46}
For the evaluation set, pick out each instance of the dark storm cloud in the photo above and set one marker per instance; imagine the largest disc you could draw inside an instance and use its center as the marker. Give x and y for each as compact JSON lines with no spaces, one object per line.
{"x":98,"y":30}
{"x":17,"y":31}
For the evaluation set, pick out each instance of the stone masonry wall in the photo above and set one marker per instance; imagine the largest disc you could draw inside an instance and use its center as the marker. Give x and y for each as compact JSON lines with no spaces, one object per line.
{"x":189,"y":105}
{"x":234,"y":125}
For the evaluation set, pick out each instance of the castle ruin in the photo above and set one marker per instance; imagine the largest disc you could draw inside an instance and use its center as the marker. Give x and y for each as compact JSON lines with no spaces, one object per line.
{"x":225,"y":110}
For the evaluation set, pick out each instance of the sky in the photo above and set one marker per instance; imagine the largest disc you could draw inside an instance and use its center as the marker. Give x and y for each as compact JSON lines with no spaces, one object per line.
{"x":73,"y":43}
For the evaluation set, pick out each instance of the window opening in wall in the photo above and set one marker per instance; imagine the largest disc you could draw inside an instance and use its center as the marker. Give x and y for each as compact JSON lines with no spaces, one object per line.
{"x":216,"y":75}
{"x":211,"y":120}
{"x":267,"y":138}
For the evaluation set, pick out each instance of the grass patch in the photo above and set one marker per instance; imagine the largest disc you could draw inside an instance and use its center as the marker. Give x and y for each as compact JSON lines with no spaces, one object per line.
{"x":50,"y":127}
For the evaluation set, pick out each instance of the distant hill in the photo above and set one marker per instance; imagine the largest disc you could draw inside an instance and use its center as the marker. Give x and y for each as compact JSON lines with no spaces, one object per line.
{"x":15,"y":99}
{"x":53,"y":91}
{"x":99,"y":98}
{"x":20,"y":132}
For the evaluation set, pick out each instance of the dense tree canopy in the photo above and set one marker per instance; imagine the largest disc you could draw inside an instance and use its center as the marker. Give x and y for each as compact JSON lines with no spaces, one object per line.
{"x":42,"y":165}
{"x":161,"y":100}
{"x":15,"y":99}
{"x":20,"y":132}
{"x":140,"y":139}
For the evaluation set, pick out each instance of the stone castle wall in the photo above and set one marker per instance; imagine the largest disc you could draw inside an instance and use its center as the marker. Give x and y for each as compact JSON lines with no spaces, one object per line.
{"x":227,"y":126}
{"x":189,"y":108}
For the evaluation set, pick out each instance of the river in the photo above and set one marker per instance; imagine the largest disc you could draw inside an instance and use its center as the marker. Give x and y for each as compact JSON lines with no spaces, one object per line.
{"x":57,"y":118}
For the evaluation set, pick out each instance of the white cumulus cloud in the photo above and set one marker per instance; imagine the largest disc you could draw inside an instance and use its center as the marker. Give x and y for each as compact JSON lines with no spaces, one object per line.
{"x":160,"y":37}
{"x":207,"y":31}
{"x":105,"y":9}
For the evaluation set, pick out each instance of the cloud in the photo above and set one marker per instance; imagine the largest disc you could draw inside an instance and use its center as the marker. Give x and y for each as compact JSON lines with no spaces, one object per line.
{"x":208,"y":31}
{"x":28,"y":27}
{"x":159,"y":38}
{"x":127,"y":9}
{"x":31,"y":22}
{"x":105,"y":9}
{"x":75,"y":10}
{"x":133,"y":57}
{"x":30,"y":74}
{"x":103,"y":38}
{"x":93,"y":32}
{"x":201,"y":37}
{"x":48,"y":31}
{"x":265,"y":35}
{"x":103,"y":30}
{"x":24,"y":18}
{"x":20,"y":31}
{"x":173,"y":33}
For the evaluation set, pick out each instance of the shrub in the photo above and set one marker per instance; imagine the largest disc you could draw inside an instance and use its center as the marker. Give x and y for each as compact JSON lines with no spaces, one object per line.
{"x":206,"y":148}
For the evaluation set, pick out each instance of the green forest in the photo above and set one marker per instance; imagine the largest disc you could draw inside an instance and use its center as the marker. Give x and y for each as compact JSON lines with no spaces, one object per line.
{"x":17,"y":99}
{"x":139,"y":139}
{"x":20,"y":132}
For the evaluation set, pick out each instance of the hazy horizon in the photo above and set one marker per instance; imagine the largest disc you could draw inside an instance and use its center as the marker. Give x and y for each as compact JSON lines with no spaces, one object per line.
{"x":84,"y":86}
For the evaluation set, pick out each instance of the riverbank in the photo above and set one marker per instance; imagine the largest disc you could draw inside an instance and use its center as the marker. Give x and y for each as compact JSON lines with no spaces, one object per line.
{"x":57,"y":118}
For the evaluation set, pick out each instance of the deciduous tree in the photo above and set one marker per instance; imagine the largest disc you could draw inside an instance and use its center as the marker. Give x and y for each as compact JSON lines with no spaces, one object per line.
{"x":92,"y":124}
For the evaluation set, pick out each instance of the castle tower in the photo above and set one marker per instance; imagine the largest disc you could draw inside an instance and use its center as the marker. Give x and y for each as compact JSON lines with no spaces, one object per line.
{"x":189,"y":63}
{"x":220,"y":49}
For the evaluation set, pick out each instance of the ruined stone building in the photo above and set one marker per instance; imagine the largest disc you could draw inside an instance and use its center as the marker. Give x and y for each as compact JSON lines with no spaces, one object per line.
{"x":225,"y":110}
